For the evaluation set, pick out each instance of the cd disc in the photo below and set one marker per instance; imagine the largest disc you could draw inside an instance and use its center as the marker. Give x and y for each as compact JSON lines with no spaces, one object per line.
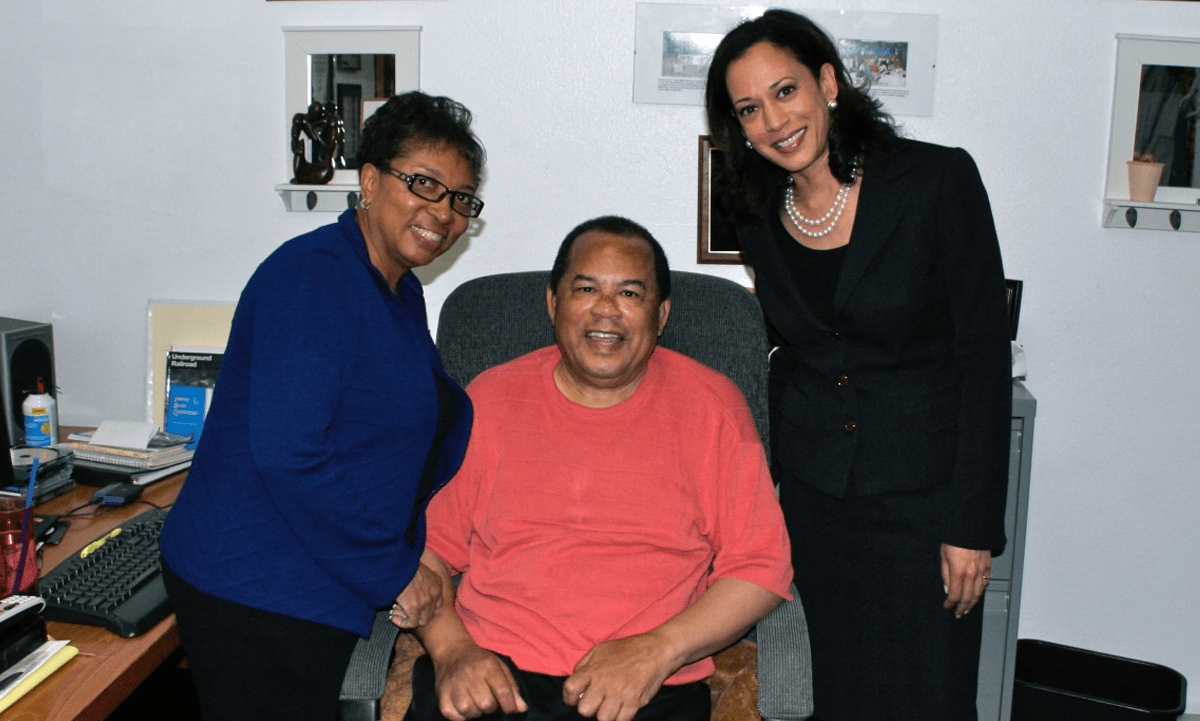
{"x":24,"y":455}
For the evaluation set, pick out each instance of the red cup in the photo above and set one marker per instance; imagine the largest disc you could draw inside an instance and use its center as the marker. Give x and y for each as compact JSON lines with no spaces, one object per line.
{"x":16,"y":540}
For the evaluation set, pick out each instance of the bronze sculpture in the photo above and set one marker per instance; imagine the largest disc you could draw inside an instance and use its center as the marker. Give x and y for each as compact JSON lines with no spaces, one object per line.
{"x":327,"y":136}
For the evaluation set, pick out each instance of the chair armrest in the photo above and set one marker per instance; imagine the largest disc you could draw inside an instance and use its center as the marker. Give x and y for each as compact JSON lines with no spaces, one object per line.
{"x":366,"y":676}
{"x":784,"y":663}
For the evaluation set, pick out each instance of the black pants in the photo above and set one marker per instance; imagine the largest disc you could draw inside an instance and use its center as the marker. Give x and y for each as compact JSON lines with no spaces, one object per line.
{"x":254,"y":665}
{"x":869,"y":575}
{"x":543,"y":695}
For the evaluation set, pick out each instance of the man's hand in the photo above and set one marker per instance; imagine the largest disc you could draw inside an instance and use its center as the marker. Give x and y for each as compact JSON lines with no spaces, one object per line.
{"x":617,"y":678}
{"x":965,"y":575}
{"x":472,"y":682}
{"x":423,"y":596}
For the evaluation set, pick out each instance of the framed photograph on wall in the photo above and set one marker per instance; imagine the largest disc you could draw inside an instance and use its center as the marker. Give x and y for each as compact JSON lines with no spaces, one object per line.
{"x":894,"y":52}
{"x":715,"y":243}
{"x":370,"y":105}
{"x":1014,"y":305}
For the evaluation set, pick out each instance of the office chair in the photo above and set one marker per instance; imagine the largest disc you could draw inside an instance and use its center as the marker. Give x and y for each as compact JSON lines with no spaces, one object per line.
{"x":491,"y":320}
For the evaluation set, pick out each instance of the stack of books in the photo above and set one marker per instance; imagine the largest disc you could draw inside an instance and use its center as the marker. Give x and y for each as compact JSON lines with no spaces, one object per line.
{"x":55,"y":472}
{"x":100,"y":465}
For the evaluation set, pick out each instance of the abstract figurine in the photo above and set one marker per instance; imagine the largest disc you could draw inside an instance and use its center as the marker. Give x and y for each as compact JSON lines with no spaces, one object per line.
{"x":327,"y":138}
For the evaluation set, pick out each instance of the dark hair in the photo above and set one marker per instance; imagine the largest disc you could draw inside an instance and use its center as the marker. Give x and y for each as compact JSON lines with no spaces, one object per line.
{"x":750,"y":184}
{"x":416,"y":119}
{"x":615,"y":225}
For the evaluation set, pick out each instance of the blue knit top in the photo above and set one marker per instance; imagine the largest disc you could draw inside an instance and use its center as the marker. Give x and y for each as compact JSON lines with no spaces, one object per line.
{"x":309,"y":471}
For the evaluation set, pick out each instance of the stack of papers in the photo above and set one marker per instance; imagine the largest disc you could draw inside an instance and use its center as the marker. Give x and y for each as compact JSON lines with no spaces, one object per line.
{"x":29,"y":671}
{"x":130,"y":444}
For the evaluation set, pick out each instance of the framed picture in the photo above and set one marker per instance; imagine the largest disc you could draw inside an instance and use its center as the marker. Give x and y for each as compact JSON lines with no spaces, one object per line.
{"x":715,"y":239}
{"x":1014,"y":305}
{"x":310,"y":64}
{"x":895,"y":52}
{"x":370,"y":105}
{"x":1156,"y":115}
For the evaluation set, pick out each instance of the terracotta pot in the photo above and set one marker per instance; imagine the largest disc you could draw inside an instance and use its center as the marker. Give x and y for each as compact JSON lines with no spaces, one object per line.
{"x":1143,"y":180}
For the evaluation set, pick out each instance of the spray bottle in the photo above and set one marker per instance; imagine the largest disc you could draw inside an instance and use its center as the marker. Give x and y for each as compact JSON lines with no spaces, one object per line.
{"x":41,"y":417}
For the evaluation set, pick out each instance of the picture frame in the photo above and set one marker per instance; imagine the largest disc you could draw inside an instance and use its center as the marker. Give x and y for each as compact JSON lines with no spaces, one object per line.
{"x":402,"y":43}
{"x":715,"y":241}
{"x":674,"y":43}
{"x":1138,"y":55}
{"x":369,"y":106}
{"x":1014,"y":288}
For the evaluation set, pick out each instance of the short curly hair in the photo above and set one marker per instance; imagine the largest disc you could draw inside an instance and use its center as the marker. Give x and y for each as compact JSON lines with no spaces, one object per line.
{"x":414,"y":119}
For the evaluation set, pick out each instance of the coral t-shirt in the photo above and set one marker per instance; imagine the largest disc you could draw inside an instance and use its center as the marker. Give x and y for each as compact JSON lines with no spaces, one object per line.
{"x":574,"y":526}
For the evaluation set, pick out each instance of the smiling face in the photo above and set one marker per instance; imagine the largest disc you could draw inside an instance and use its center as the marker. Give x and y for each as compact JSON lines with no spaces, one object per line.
{"x":607,"y":318}
{"x":403,"y":230}
{"x":783,"y":108}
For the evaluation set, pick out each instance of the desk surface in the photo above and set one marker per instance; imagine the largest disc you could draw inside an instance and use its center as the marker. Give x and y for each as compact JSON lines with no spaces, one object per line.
{"x":108,"y":667}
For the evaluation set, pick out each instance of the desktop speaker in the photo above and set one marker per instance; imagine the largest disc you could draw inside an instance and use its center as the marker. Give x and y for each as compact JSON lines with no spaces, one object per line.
{"x":6,"y":467}
{"x":26,"y":354}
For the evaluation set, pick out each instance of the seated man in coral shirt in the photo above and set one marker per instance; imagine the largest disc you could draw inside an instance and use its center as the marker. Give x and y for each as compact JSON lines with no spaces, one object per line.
{"x":614,"y":520}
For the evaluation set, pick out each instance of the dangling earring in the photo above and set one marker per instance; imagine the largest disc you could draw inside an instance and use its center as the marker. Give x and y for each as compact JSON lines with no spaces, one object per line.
{"x":832,"y":105}
{"x":749,"y":144}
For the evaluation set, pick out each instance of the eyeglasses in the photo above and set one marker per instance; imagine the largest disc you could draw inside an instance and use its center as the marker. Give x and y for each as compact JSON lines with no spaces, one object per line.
{"x":425,"y":187}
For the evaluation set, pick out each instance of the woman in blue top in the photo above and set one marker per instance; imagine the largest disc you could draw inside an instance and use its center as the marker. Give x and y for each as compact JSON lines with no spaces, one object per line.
{"x":332,"y":426}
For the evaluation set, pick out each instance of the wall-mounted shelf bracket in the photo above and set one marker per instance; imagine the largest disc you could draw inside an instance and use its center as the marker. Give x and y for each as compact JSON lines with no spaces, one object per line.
{"x":332,"y":198}
{"x":1151,"y":216}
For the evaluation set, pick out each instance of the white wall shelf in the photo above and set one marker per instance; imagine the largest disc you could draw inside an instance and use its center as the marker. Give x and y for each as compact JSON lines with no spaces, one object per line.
{"x":331,"y":198}
{"x":1151,"y":216}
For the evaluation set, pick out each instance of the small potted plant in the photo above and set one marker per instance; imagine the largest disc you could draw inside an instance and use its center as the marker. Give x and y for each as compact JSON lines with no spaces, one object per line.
{"x":1144,"y":175}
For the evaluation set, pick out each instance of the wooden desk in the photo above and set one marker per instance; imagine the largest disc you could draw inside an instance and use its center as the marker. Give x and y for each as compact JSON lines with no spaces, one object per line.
{"x":108,"y":667}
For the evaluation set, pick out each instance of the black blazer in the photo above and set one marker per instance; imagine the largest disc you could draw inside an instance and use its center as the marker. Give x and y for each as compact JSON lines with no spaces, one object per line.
{"x":911,"y":386}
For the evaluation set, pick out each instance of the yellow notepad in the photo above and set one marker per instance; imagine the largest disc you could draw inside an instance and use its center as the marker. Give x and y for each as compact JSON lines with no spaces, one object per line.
{"x":32,"y":678}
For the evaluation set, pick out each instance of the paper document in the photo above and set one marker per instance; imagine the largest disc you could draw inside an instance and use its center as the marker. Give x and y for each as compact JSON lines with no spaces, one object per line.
{"x":125,"y":434}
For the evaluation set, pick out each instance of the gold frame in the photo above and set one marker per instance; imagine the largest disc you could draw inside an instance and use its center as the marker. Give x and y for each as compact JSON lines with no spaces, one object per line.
{"x":705,"y":250}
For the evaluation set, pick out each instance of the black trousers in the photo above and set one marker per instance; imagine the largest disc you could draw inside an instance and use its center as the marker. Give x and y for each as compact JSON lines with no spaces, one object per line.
{"x":254,"y":665}
{"x":543,"y":695}
{"x":868,"y":572}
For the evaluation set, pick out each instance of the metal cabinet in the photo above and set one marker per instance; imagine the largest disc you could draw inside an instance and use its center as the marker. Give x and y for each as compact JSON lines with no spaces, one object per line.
{"x":1002,"y":604}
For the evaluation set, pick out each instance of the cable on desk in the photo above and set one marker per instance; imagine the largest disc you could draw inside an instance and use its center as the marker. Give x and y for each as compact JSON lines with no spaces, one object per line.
{"x":73,"y":513}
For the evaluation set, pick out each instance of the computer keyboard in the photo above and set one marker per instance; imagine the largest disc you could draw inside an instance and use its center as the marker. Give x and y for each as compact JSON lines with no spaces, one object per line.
{"x":114,"y":582}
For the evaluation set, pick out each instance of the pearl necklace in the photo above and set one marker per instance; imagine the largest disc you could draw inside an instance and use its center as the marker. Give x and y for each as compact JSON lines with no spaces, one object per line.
{"x":799,"y":221}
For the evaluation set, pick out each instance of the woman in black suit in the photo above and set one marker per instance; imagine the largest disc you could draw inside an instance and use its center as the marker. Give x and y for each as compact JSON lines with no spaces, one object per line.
{"x":878,"y":269}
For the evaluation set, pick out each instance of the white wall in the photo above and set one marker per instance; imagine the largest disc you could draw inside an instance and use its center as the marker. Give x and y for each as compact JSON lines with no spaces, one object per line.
{"x":142,"y":140}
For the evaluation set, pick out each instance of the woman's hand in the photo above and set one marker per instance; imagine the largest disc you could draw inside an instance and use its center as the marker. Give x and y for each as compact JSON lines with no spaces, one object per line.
{"x":424,"y":595}
{"x":965,"y":575}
